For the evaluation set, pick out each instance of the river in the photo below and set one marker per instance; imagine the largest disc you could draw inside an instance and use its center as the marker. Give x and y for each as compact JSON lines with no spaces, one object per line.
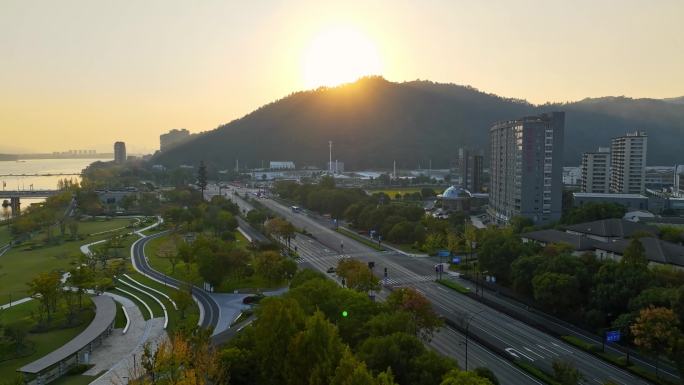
{"x":38,"y":166}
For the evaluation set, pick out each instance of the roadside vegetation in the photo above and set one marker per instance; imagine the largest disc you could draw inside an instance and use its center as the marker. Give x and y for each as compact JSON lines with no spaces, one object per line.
{"x":401,"y":222}
{"x":319,"y":333}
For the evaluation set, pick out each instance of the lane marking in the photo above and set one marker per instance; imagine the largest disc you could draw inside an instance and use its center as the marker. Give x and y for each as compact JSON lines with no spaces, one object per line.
{"x":550,"y":351}
{"x":533,"y":352}
{"x":560,"y":347}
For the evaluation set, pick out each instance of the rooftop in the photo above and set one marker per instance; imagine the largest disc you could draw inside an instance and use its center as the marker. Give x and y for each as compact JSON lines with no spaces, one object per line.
{"x":105,"y":311}
{"x":609,"y":196}
{"x":656,"y":250}
{"x":612,"y":228}
{"x":577,"y":241}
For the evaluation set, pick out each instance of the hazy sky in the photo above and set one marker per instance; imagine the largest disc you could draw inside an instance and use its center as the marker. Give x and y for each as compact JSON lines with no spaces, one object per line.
{"x":82,"y":74}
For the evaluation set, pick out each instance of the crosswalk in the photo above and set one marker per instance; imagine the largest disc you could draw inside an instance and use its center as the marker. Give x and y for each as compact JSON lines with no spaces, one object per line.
{"x":325,"y":259}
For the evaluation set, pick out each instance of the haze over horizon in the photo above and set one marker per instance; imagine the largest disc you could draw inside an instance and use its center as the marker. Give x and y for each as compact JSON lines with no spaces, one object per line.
{"x":79,"y":74}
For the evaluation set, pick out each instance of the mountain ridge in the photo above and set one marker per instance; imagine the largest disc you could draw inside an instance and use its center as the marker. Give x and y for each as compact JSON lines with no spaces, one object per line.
{"x":373,"y":122}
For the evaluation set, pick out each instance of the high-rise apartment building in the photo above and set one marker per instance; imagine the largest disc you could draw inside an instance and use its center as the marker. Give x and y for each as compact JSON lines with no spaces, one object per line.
{"x":173,"y":138}
{"x":526,"y":168}
{"x":595,"y":171}
{"x":471,"y":165}
{"x":628,"y":163}
{"x":119,"y":152}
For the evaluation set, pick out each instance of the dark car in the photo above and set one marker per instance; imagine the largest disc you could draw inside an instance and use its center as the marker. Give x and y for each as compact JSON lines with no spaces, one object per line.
{"x":252,"y":299}
{"x":331,"y":270}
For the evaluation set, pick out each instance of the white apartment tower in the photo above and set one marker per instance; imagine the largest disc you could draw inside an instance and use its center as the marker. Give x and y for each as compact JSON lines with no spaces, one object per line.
{"x":526,"y":168}
{"x":628,"y":163}
{"x":596,"y":171}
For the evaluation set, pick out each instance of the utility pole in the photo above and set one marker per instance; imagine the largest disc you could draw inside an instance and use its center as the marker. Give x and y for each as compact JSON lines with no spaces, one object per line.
{"x":330,"y":159}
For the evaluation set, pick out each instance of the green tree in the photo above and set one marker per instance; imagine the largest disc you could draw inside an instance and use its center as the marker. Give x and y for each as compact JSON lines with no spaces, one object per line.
{"x":523,"y":270}
{"x":350,"y":371}
{"x":47,"y":288}
{"x":418,"y":307}
{"x":357,"y":275}
{"x":278,"y":321}
{"x":593,"y":212}
{"x":487,"y":373}
{"x":183,"y":299}
{"x":559,"y":292}
{"x":81,"y":277}
{"x":634,"y":253}
{"x":656,"y":330}
{"x":498,"y":249}
{"x":519,"y":223}
{"x":565,"y":372}
{"x":202,"y":177}
{"x":460,"y":377}
{"x":313,"y":354}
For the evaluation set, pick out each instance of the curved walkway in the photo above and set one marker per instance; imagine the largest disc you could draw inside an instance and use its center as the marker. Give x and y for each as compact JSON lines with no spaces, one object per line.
{"x":78,"y":349}
{"x":121,"y":352}
{"x":163,"y":307}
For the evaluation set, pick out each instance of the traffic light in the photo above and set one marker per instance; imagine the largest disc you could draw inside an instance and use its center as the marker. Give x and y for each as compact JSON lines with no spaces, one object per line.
{"x":344,"y":313}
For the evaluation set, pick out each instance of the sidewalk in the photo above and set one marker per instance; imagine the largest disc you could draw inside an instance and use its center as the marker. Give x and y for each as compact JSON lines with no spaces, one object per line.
{"x":120,"y":352}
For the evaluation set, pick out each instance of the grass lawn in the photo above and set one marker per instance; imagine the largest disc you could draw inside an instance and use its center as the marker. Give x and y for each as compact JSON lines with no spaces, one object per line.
{"x":154,"y":306}
{"x":97,"y":225}
{"x":120,"y":320}
{"x":43,"y":343}
{"x":74,"y":380}
{"x":175,"y":321}
{"x":5,"y":235}
{"x":454,"y":286}
{"x":182,"y":271}
{"x":360,"y":239}
{"x":255,"y":283}
{"x":392,"y":191}
{"x":20,"y":264}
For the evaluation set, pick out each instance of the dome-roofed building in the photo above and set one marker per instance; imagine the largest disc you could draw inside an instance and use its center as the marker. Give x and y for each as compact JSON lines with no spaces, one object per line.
{"x":455,"y":192}
{"x":455,"y":198}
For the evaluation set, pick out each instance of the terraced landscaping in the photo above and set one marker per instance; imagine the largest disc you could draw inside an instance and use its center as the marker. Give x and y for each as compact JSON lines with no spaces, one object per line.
{"x":25,"y":261}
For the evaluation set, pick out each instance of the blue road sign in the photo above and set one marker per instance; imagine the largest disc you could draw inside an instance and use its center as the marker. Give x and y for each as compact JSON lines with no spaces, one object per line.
{"x":443,"y":253}
{"x":456,"y":260}
{"x":613,"y":336}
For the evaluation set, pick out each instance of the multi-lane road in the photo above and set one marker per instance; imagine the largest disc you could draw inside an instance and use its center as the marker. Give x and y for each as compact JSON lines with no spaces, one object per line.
{"x":447,"y":341}
{"x":507,"y":334}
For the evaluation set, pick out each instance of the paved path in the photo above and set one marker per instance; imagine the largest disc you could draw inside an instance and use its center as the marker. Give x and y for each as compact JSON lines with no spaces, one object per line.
{"x":119,"y":352}
{"x":231,"y":305}
{"x":15,"y":303}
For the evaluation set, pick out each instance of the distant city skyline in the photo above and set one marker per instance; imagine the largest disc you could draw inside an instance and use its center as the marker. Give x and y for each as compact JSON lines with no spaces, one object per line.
{"x":80,"y":74}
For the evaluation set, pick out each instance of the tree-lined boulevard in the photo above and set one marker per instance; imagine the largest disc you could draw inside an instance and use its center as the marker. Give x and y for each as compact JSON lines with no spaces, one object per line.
{"x":520,"y":341}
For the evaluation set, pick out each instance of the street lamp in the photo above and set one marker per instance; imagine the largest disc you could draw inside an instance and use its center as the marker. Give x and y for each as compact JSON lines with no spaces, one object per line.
{"x":466,"y":335}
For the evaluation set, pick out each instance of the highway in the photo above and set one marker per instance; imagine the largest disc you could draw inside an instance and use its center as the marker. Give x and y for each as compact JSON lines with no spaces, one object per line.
{"x":506,"y":334}
{"x":447,"y":341}
{"x":209,"y":310}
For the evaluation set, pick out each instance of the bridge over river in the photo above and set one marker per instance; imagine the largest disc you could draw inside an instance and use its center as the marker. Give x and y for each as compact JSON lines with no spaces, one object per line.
{"x":15,"y":196}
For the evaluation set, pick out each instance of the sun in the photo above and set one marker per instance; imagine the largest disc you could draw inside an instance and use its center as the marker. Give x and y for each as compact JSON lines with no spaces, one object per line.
{"x":339,"y":55}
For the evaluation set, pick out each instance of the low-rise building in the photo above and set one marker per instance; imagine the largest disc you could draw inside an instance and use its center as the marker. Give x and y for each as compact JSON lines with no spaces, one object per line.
{"x":630,"y":201}
{"x":609,"y":238}
{"x":281,"y":165}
